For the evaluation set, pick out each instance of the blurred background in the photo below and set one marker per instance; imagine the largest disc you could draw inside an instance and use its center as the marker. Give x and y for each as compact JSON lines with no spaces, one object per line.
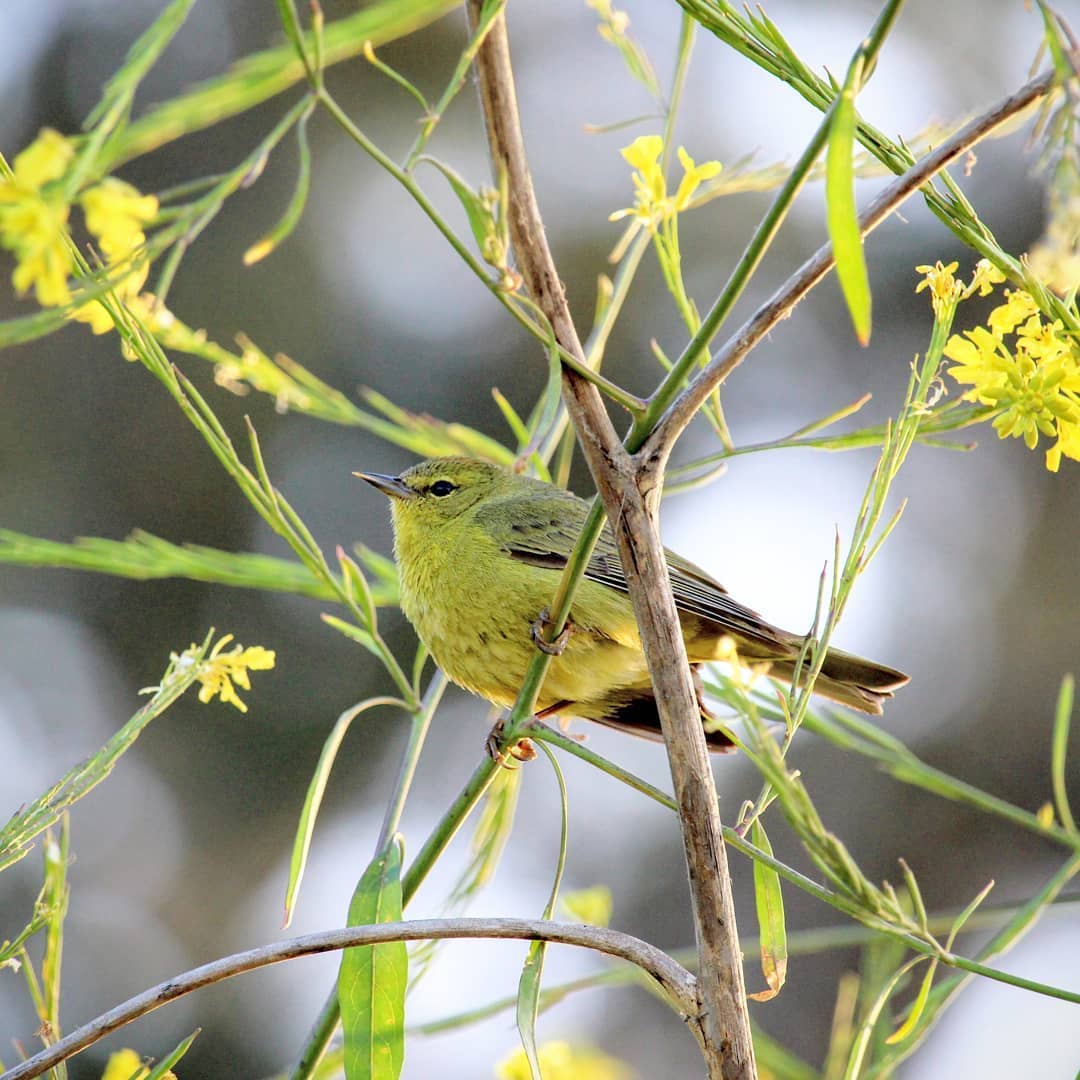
{"x":182,"y":855}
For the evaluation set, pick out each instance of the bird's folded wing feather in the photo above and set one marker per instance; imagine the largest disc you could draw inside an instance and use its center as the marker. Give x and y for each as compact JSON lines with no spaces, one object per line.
{"x":542,"y":532}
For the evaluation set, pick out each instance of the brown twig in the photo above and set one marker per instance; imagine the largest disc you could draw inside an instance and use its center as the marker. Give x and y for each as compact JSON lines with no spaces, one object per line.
{"x":782,"y":302}
{"x":723,"y":1024}
{"x":672,"y":977}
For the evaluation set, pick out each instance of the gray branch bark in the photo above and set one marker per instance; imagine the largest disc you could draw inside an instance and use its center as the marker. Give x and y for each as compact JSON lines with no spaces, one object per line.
{"x":673,"y":979}
{"x":723,"y":1023}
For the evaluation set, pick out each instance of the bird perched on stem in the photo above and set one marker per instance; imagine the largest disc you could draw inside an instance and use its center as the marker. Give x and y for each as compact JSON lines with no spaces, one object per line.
{"x":480,"y":550}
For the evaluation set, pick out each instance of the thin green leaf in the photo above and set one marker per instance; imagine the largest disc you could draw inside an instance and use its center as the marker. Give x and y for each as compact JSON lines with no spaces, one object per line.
{"x":858,"y":1050}
{"x":295,"y":210}
{"x":1059,"y":750}
{"x":528,"y":1004}
{"x":395,"y":77}
{"x":354,"y":633}
{"x":144,"y":557}
{"x":167,"y":1062}
{"x":313,"y":800}
{"x":513,"y":421}
{"x":841,"y":212}
{"x":917,"y":1007}
{"x":55,"y":896}
{"x":357,"y":588}
{"x":290,"y":23}
{"x":109,"y":117}
{"x":17,"y":836}
{"x":478,"y":209}
{"x":372,"y":981}
{"x":262,"y":75}
{"x":771,"y":922}
{"x":1064,"y":68}
{"x":915,"y":893}
{"x":966,"y":914}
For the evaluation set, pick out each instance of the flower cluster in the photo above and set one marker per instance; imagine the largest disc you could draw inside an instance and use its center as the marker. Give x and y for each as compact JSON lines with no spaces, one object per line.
{"x":652,"y":202}
{"x":946,"y":292}
{"x":34,"y":213}
{"x":33,"y":216}
{"x":221,"y":672}
{"x":1024,"y":366}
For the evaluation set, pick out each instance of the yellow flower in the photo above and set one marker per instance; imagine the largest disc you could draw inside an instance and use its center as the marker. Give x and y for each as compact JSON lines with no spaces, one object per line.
{"x":44,"y":160}
{"x":220,"y":670}
{"x":1033,"y":381}
{"x":32,"y":222}
{"x":116,"y":213}
{"x":945,"y":290}
{"x":561,"y":1061}
{"x":652,"y":203}
{"x":1018,"y":306}
{"x":127,"y":1065}
{"x":592,"y":905}
{"x":693,"y":177}
{"x":1068,"y":444}
{"x":986,"y":276}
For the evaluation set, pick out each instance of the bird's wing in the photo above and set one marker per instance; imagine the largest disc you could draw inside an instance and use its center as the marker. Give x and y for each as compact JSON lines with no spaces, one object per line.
{"x":542,"y":531}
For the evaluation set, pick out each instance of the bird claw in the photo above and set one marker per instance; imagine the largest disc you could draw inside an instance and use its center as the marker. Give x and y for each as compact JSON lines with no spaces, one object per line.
{"x":536,"y":632}
{"x":523,"y":750}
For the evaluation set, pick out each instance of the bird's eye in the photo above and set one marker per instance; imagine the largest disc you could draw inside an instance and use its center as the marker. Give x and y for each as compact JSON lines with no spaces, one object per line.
{"x":441,"y":488}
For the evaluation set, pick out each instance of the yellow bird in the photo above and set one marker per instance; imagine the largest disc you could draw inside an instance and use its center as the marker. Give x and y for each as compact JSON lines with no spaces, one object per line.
{"x":480,"y":550}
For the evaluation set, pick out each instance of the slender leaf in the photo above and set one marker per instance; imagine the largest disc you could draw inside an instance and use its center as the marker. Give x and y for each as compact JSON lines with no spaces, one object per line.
{"x":770,"y":913}
{"x":528,"y":1004}
{"x":166,"y":1063}
{"x":261,"y":76}
{"x":866,"y":1029}
{"x":1060,"y":747}
{"x":313,"y":800}
{"x":372,"y":980}
{"x":841,"y":212}
{"x":294,"y":211}
{"x":55,"y":896}
{"x":917,"y":1007}
{"x":17,"y":836}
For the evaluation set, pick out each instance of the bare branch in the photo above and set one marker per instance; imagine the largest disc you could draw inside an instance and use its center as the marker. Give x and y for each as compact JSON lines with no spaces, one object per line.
{"x":630,"y":494}
{"x":783,"y":301}
{"x":672,"y":977}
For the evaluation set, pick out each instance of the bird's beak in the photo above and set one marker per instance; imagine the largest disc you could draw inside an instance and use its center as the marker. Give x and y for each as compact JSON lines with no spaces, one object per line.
{"x":388,"y":485}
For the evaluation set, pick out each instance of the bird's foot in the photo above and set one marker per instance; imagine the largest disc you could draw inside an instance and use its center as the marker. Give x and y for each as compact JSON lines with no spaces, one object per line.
{"x":536,"y":632}
{"x":523,"y":750}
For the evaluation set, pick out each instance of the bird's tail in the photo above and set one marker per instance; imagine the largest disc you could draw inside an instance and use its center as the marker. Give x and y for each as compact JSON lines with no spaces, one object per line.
{"x":850,"y":680}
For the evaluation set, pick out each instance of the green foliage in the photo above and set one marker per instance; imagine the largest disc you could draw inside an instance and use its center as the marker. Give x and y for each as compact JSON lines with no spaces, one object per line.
{"x":371,"y":985}
{"x":872,"y":1033}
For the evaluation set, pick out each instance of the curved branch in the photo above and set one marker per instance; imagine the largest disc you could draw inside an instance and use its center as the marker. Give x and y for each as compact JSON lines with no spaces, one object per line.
{"x":780,"y":304}
{"x":676,"y":982}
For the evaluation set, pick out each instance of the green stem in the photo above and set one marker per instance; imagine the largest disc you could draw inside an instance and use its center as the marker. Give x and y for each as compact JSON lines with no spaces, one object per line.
{"x":322,"y":1030}
{"x":760,"y":241}
{"x":633,"y":404}
{"x":421,"y":722}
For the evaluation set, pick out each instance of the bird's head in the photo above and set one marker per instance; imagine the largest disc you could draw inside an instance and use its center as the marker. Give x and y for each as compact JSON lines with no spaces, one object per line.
{"x":434,"y":492}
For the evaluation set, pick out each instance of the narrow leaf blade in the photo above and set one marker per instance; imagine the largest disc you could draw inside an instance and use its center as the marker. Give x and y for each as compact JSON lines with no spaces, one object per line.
{"x":771,"y":922}
{"x":373,"y":978}
{"x":841,"y":213}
